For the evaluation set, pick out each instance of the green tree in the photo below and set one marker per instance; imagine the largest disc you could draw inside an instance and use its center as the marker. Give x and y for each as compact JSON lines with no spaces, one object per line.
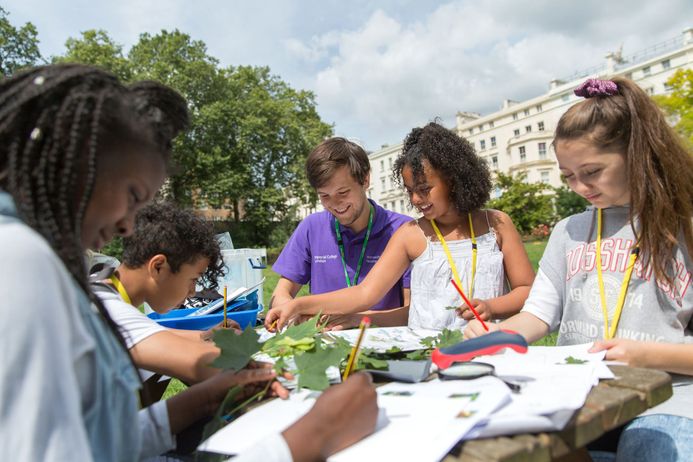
{"x":679,"y":103}
{"x":568,"y":203}
{"x":527,"y":203}
{"x":95,"y":47}
{"x":18,"y":47}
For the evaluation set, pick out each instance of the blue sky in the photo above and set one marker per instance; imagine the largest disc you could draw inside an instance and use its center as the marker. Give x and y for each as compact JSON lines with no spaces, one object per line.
{"x":379,"y":68}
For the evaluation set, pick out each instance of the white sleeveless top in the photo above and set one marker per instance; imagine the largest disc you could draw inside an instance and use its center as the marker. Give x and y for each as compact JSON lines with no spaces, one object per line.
{"x":432,"y":291}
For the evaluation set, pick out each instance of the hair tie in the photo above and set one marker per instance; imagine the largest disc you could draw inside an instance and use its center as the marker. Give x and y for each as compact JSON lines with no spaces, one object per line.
{"x":596,"y":87}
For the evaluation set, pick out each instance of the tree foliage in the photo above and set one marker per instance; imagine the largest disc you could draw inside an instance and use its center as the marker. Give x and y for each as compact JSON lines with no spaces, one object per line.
{"x":568,"y":203}
{"x":95,"y":47}
{"x":679,"y":103}
{"x":528,"y":204}
{"x":250,"y":135}
{"x":18,"y":46}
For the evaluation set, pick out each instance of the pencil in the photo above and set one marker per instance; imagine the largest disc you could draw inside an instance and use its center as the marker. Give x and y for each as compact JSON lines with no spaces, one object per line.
{"x":274,"y":324}
{"x":365,"y":322}
{"x":224,"y":324}
{"x":469,"y":304}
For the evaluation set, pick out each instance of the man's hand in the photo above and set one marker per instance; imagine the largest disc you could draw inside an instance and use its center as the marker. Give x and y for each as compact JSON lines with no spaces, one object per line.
{"x":480,"y":306}
{"x":341,"y":321}
{"x":342,"y":415}
{"x":280,"y":315}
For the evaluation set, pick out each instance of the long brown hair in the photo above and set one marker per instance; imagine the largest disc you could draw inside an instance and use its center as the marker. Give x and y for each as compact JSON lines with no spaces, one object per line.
{"x":658,"y":166}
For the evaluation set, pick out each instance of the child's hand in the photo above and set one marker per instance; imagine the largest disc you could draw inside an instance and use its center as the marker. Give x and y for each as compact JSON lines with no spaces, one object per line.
{"x":475,"y":329}
{"x":628,"y":351}
{"x":230,"y":324}
{"x":480,"y":306}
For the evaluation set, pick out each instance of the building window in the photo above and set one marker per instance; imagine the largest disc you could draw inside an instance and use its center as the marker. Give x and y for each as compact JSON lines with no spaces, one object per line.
{"x":482,"y":144}
{"x":523,"y":154}
{"x":392,"y":206}
{"x":528,"y":128}
{"x":526,"y":112}
{"x":565,"y":98}
{"x":649,"y":91}
{"x":401,"y":206}
{"x":493,"y":141}
{"x":542,"y":151}
{"x":646,"y":71}
{"x":490,"y":124}
{"x":629,"y":76}
{"x":544,"y":176}
{"x":382,"y":165}
{"x":539,"y":108}
{"x":516,"y":132}
{"x":382,"y":184}
{"x":370,"y":192}
{"x":389,"y":162}
{"x":481,"y":127}
{"x":515,"y":116}
{"x":494,"y":162}
{"x":392,"y":184}
{"x":540,"y":126}
{"x":666,"y":64}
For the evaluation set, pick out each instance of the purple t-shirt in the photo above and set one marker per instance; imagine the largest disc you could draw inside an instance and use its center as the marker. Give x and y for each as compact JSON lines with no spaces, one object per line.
{"x":312,"y":256}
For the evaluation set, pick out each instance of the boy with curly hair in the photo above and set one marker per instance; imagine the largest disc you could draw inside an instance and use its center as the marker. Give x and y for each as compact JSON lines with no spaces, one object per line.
{"x":169,"y":252}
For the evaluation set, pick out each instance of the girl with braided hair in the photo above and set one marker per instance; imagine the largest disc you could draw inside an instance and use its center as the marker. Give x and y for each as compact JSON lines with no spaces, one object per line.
{"x":80,"y":154}
{"x":619,"y":274}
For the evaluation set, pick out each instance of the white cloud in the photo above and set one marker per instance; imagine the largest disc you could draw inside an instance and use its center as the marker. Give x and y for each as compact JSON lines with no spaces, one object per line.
{"x":387,"y":76}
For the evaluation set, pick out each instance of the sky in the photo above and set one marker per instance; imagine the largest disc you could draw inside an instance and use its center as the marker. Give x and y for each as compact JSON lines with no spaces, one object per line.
{"x":380,"y":68}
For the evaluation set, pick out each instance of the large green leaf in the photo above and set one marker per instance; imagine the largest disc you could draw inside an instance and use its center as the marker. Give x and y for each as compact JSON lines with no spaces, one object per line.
{"x":236,"y":350}
{"x":312,"y":366}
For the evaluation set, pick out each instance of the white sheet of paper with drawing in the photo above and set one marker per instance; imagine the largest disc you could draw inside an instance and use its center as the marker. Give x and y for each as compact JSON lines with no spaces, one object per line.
{"x":382,"y":339}
{"x":427,"y":419}
{"x":552,"y":391}
{"x":417,"y":422}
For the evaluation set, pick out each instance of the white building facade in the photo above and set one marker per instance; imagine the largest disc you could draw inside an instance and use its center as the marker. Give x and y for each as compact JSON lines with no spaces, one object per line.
{"x":517,"y":138}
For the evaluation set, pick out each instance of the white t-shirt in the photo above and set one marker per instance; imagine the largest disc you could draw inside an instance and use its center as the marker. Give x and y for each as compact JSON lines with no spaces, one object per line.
{"x":136,"y":326}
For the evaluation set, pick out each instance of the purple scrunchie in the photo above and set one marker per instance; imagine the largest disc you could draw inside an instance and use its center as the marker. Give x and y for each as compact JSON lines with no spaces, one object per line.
{"x":596,"y":87}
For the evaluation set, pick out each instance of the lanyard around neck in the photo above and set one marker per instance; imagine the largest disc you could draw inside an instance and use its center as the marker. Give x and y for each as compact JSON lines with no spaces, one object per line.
{"x":121,"y":289}
{"x":451,"y":262}
{"x":609,"y":332}
{"x":340,"y":243}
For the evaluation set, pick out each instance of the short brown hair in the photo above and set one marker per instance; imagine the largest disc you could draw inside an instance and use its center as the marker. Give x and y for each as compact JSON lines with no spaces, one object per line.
{"x":332,"y":154}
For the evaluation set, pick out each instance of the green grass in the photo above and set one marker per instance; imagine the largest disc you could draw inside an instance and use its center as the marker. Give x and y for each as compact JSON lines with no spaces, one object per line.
{"x":534,"y":249}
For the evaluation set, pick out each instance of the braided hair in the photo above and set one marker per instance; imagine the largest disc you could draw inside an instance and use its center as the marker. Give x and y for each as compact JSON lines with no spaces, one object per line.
{"x":56,"y":122}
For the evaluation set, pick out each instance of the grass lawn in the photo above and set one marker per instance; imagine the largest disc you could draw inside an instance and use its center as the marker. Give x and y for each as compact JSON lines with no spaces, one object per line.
{"x":534,"y":249}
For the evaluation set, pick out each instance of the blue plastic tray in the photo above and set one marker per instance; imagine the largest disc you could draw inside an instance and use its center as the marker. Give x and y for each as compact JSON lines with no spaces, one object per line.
{"x":245,"y":313}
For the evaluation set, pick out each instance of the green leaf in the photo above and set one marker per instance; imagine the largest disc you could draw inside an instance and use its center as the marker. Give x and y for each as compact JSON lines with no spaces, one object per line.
{"x":236,"y":350}
{"x":367,"y":359}
{"x":572,"y":360}
{"x":311,"y":367}
{"x":449,"y":337}
{"x":451,"y":307}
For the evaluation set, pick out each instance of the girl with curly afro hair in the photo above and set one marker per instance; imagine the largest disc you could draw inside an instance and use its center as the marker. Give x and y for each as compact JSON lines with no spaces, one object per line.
{"x":455,"y":242}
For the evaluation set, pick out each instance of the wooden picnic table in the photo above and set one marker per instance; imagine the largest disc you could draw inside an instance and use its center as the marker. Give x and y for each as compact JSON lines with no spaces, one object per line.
{"x":610,"y":404}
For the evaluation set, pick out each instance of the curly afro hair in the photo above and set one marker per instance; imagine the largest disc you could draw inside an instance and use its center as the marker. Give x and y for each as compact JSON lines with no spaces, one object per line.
{"x":180,"y":235}
{"x":453,"y":157}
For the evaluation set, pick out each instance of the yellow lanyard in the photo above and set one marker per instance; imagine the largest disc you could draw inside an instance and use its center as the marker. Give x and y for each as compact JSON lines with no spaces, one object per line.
{"x":121,"y":289}
{"x":451,"y":262}
{"x":610,"y":332}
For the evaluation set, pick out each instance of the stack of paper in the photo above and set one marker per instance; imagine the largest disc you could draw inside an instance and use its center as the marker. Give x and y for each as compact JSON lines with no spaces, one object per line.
{"x":417,"y":422}
{"x":555,"y":383}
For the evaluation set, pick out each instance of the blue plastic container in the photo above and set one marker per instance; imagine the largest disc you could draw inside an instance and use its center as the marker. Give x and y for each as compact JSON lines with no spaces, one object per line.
{"x":243,"y":310}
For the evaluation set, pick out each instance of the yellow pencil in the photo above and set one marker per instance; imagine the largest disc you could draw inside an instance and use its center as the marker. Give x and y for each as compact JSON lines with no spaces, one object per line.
{"x":224,"y":324}
{"x":365,"y":322}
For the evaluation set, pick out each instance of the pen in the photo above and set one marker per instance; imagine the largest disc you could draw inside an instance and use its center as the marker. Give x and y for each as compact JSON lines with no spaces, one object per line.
{"x":469,"y":304}
{"x":224,"y":324}
{"x":365,"y":322}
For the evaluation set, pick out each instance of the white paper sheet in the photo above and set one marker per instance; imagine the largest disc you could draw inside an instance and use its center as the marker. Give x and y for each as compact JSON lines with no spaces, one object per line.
{"x":382,"y":339}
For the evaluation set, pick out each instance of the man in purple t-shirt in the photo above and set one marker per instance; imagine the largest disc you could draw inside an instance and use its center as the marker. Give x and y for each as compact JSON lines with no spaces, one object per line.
{"x":335,"y":248}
